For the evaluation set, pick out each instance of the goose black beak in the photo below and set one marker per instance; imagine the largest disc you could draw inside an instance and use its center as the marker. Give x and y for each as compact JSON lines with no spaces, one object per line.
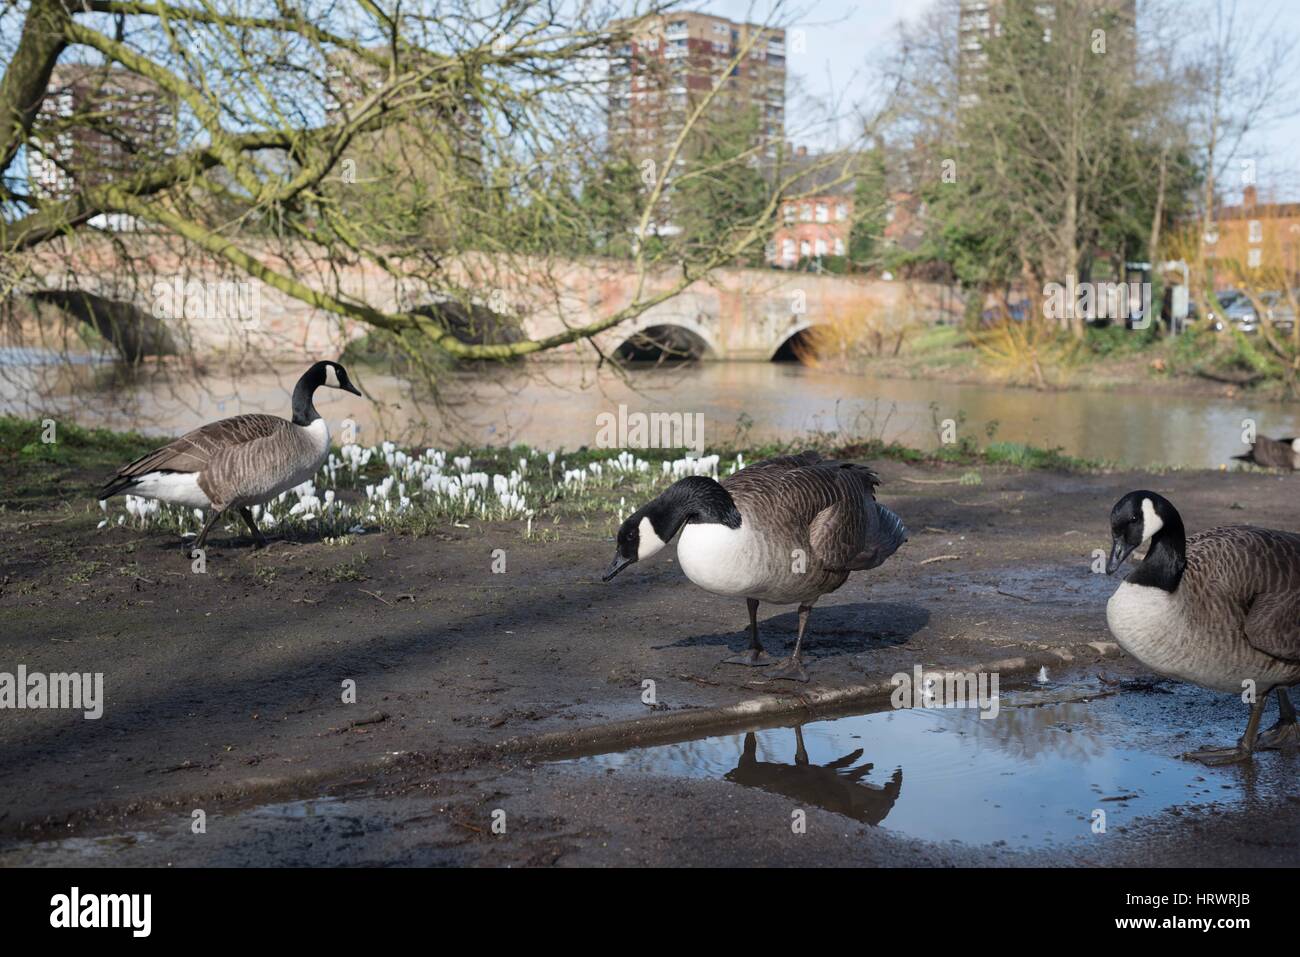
{"x":351,"y":388}
{"x":1119,"y":552}
{"x":617,"y":565}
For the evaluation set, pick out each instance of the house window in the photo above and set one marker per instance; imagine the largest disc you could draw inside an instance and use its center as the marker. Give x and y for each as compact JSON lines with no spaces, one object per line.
{"x":805,"y":213}
{"x":788,"y":212}
{"x":841,"y":211}
{"x":1253,"y":258}
{"x":821,"y":247}
{"x":787,"y":250}
{"x":839,"y":246}
{"x":1256,"y":231}
{"x":823,"y":215}
{"x":805,"y":248}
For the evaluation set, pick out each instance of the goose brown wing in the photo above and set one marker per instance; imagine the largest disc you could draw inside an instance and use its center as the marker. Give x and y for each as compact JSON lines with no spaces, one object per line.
{"x":853,"y":532}
{"x":1274,"y":453}
{"x":1261,"y":568}
{"x":193,"y":451}
{"x":1273,"y":625}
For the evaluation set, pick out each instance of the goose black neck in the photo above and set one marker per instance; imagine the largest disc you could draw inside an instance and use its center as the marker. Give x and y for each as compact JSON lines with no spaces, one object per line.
{"x":696,"y":498}
{"x":304,"y":411}
{"x":1166,"y":558}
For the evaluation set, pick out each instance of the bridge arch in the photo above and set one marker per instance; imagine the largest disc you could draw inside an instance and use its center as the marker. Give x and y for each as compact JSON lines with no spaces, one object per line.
{"x":798,"y":343}
{"x":667,"y":341}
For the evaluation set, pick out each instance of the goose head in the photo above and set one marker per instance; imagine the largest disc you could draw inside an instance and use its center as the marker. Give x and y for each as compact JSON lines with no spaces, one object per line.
{"x":331,"y":375}
{"x":1135,"y":520}
{"x":652,"y":526}
{"x":324,"y":373}
{"x":642,"y":534}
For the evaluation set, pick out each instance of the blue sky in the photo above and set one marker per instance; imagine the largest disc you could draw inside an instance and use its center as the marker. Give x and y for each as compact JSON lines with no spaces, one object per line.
{"x":844,"y":37}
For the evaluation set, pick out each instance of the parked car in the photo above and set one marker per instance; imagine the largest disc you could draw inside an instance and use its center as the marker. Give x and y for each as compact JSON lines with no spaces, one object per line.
{"x":1244,"y":314}
{"x":1216,"y":317}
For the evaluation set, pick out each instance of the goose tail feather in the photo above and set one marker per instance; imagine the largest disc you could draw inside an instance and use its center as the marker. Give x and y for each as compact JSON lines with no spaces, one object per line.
{"x":893,"y":531}
{"x":116,"y":485}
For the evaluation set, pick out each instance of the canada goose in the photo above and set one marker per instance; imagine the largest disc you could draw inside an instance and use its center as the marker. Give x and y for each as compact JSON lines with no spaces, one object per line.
{"x":1219,"y":609}
{"x":1273,"y":453}
{"x":786,"y":530}
{"x":240,"y":461}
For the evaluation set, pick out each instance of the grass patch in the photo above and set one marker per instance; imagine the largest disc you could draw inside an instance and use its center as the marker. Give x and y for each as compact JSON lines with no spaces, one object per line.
{"x":1022,"y":456}
{"x":74,"y":463}
{"x":348,"y":571}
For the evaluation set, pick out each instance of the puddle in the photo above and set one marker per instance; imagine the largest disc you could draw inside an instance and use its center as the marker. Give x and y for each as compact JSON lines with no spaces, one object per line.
{"x":1030,"y":778}
{"x":1034,"y":775}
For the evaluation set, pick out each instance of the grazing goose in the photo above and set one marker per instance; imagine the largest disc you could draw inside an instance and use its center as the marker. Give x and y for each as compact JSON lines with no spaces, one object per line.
{"x":1219,"y":609}
{"x":786,"y":530}
{"x":241,"y":461}
{"x":1273,"y":453}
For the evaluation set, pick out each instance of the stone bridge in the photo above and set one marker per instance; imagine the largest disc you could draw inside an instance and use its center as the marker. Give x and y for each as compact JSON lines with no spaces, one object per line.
{"x":736,"y":314}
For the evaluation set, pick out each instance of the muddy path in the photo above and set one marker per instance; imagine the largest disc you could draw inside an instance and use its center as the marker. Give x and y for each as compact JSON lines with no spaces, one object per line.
{"x":228,"y":686}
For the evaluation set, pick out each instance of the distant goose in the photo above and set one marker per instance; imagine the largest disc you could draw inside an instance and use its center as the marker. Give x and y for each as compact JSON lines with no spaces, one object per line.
{"x":1218,"y":609}
{"x":237,"y":462}
{"x":784,"y":531}
{"x":1273,"y":453}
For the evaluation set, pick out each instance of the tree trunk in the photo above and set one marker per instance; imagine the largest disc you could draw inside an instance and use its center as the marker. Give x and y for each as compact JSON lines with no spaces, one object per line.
{"x":28,"y":75}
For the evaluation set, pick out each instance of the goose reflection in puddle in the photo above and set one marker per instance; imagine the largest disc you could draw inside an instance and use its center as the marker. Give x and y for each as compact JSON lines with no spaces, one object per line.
{"x":836,"y":786}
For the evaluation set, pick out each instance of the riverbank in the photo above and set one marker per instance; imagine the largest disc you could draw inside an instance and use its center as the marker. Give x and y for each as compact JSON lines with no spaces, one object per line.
{"x":1111,"y":359}
{"x":472,"y":642}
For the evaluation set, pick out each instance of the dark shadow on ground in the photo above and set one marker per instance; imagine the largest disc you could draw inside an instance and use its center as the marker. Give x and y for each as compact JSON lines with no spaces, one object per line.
{"x":833,"y":630}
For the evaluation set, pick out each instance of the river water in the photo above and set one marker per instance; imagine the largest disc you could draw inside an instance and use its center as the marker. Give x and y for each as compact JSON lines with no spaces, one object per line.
{"x":555,"y":404}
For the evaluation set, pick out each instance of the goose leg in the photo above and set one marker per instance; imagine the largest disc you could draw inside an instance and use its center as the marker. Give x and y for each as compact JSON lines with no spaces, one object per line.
{"x":207,"y":527}
{"x":1286,"y":731}
{"x":259,"y":540}
{"x":792,"y":667}
{"x":1245,"y":746}
{"x":800,"y":752}
{"x":754,"y":656}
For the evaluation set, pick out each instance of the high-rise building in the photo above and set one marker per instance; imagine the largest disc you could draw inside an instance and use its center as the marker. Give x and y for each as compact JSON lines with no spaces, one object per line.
{"x":659,"y":76}
{"x":981,"y":20}
{"x":97,"y":124}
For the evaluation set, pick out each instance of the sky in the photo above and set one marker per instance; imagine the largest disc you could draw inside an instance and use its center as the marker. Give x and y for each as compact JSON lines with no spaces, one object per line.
{"x":845,"y":37}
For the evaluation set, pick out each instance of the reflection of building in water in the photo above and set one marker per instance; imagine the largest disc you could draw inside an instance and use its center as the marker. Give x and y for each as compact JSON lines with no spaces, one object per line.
{"x":836,"y":786}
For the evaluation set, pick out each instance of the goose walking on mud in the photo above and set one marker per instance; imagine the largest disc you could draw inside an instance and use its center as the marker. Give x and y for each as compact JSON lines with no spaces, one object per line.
{"x":786,"y":531}
{"x":1220,"y":609}
{"x":238,"y":462}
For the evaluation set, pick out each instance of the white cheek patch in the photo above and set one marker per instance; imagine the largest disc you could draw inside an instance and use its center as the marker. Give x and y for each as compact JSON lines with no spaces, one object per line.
{"x":1151,"y":522}
{"x":648,"y":542}
{"x":1295,"y":446}
{"x":332,"y":377}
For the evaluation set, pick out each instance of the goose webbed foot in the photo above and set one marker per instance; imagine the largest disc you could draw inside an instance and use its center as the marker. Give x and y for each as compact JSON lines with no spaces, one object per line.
{"x":792,"y":668}
{"x":1284,"y":734}
{"x":789,"y":670}
{"x":751,"y":657}
{"x":1216,"y":757}
{"x":1248,"y":742}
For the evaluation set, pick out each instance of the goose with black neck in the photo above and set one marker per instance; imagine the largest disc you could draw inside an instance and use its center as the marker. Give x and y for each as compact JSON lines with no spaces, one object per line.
{"x":785,"y":531}
{"x":240,"y":461}
{"x":1219,"y":609}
